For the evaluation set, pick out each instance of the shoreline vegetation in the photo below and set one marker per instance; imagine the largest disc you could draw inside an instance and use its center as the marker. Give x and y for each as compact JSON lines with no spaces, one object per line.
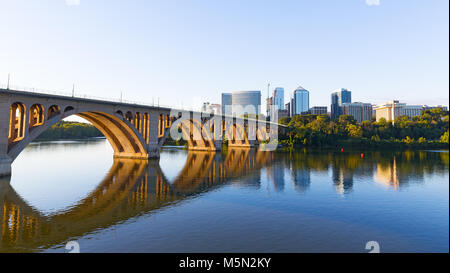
{"x":69,"y":130}
{"x":428,"y":131}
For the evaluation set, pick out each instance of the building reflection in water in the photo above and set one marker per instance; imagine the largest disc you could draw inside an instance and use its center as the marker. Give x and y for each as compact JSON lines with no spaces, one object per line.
{"x":342,"y":180}
{"x":302,"y":179}
{"x":130,"y":188}
{"x":134,"y":187}
{"x":387,"y":174}
{"x":275,"y":173}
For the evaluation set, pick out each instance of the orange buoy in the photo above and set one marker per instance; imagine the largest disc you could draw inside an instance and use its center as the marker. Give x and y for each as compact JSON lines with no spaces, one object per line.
{"x":342,"y":149}
{"x":362,"y":155}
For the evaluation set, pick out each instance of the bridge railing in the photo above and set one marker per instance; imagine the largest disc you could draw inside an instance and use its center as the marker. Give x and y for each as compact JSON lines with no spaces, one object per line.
{"x":86,"y":96}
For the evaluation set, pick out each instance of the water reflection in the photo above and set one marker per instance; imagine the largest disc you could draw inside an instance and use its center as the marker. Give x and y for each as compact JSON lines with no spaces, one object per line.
{"x":130,"y":188}
{"x":134,"y":187}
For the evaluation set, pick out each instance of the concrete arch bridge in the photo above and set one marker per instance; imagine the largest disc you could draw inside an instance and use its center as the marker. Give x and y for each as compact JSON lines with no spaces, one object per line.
{"x":134,"y":131}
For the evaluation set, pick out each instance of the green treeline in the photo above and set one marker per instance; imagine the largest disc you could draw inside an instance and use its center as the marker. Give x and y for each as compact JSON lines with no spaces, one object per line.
{"x":430,"y":130}
{"x":70,"y":130}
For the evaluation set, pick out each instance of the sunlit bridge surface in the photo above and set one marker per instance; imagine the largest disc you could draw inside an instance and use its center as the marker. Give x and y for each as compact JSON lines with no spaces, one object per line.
{"x":237,"y":200}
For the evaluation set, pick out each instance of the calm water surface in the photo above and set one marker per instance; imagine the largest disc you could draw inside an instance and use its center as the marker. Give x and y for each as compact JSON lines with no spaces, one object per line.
{"x":236,"y":201}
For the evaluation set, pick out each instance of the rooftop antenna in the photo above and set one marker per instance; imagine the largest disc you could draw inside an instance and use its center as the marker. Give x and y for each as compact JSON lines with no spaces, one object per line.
{"x":9,"y":75}
{"x":267,"y":102}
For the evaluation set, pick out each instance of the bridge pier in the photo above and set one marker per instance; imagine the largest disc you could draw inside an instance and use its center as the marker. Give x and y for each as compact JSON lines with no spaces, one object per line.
{"x":5,"y":160}
{"x":153,"y":151}
{"x":5,"y":166}
{"x":218,"y":144}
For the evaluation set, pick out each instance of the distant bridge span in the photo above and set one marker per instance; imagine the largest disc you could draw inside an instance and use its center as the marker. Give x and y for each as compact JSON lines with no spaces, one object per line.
{"x":134,"y":131}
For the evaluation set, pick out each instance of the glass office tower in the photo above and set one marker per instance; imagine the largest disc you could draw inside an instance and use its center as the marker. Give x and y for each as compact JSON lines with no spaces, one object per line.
{"x":339,"y":97}
{"x":301,"y":101}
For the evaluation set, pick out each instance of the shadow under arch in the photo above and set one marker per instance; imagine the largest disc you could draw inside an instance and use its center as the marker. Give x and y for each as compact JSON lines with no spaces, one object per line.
{"x":131,"y":188}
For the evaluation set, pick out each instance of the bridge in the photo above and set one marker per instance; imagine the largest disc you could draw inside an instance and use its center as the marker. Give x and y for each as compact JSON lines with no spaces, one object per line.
{"x":135,"y":131}
{"x":132,"y":187}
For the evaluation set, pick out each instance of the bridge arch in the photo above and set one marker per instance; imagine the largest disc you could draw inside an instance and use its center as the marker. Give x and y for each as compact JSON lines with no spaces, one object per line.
{"x":197,"y":135}
{"x":37,"y":115}
{"x":124,"y":138}
{"x":17,"y":122}
{"x":68,"y":108}
{"x":53,"y":111}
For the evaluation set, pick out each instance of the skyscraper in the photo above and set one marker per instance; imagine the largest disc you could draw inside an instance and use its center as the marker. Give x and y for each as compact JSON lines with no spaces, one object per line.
{"x":287,"y":106}
{"x":278,"y":98}
{"x":339,"y":97}
{"x":226,"y":101}
{"x":251,"y":100}
{"x":276,"y":101}
{"x":301,"y":101}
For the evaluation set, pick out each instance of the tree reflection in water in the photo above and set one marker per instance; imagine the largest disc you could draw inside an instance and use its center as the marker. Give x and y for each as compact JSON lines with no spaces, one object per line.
{"x":134,"y":187}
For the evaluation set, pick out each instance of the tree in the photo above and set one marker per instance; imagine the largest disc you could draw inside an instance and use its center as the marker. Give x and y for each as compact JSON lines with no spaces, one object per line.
{"x":444,"y":137}
{"x":376,"y":138}
{"x":408,"y":140}
{"x":422,"y":140}
{"x":346,"y":119}
{"x":354,"y":131}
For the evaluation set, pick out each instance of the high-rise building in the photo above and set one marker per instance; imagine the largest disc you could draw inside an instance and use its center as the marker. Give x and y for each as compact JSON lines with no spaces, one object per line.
{"x":318,"y":110}
{"x":278,"y":98}
{"x":360,"y":111}
{"x":301,"y":101}
{"x":276,"y":102}
{"x":246,"y":102}
{"x":287,"y":107}
{"x":393,"y":109}
{"x":339,"y":97}
{"x":226,"y":103}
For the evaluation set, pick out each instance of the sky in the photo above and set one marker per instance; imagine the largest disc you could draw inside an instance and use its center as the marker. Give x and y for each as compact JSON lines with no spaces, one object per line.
{"x":185,"y":52}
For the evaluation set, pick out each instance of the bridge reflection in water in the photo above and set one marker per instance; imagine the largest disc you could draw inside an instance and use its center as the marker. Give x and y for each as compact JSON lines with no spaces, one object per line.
{"x":131,"y":187}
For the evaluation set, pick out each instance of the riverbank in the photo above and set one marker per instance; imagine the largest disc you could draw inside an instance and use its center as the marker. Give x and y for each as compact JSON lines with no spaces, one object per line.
{"x":358,"y":144}
{"x":69,"y":130}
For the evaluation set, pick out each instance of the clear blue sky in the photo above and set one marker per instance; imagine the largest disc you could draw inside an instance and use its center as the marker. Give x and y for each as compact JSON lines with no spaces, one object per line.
{"x":189,"y":51}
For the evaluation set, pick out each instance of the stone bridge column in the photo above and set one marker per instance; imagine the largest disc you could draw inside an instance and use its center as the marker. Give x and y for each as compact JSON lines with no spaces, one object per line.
{"x":153,"y":140}
{"x":218,"y":144}
{"x":5,"y":160}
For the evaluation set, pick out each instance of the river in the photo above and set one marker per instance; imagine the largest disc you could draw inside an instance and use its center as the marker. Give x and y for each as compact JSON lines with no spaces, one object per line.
{"x":234,"y":201}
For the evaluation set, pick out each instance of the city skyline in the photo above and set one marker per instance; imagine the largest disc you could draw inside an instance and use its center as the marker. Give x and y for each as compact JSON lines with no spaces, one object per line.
{"x":395,"y":51}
